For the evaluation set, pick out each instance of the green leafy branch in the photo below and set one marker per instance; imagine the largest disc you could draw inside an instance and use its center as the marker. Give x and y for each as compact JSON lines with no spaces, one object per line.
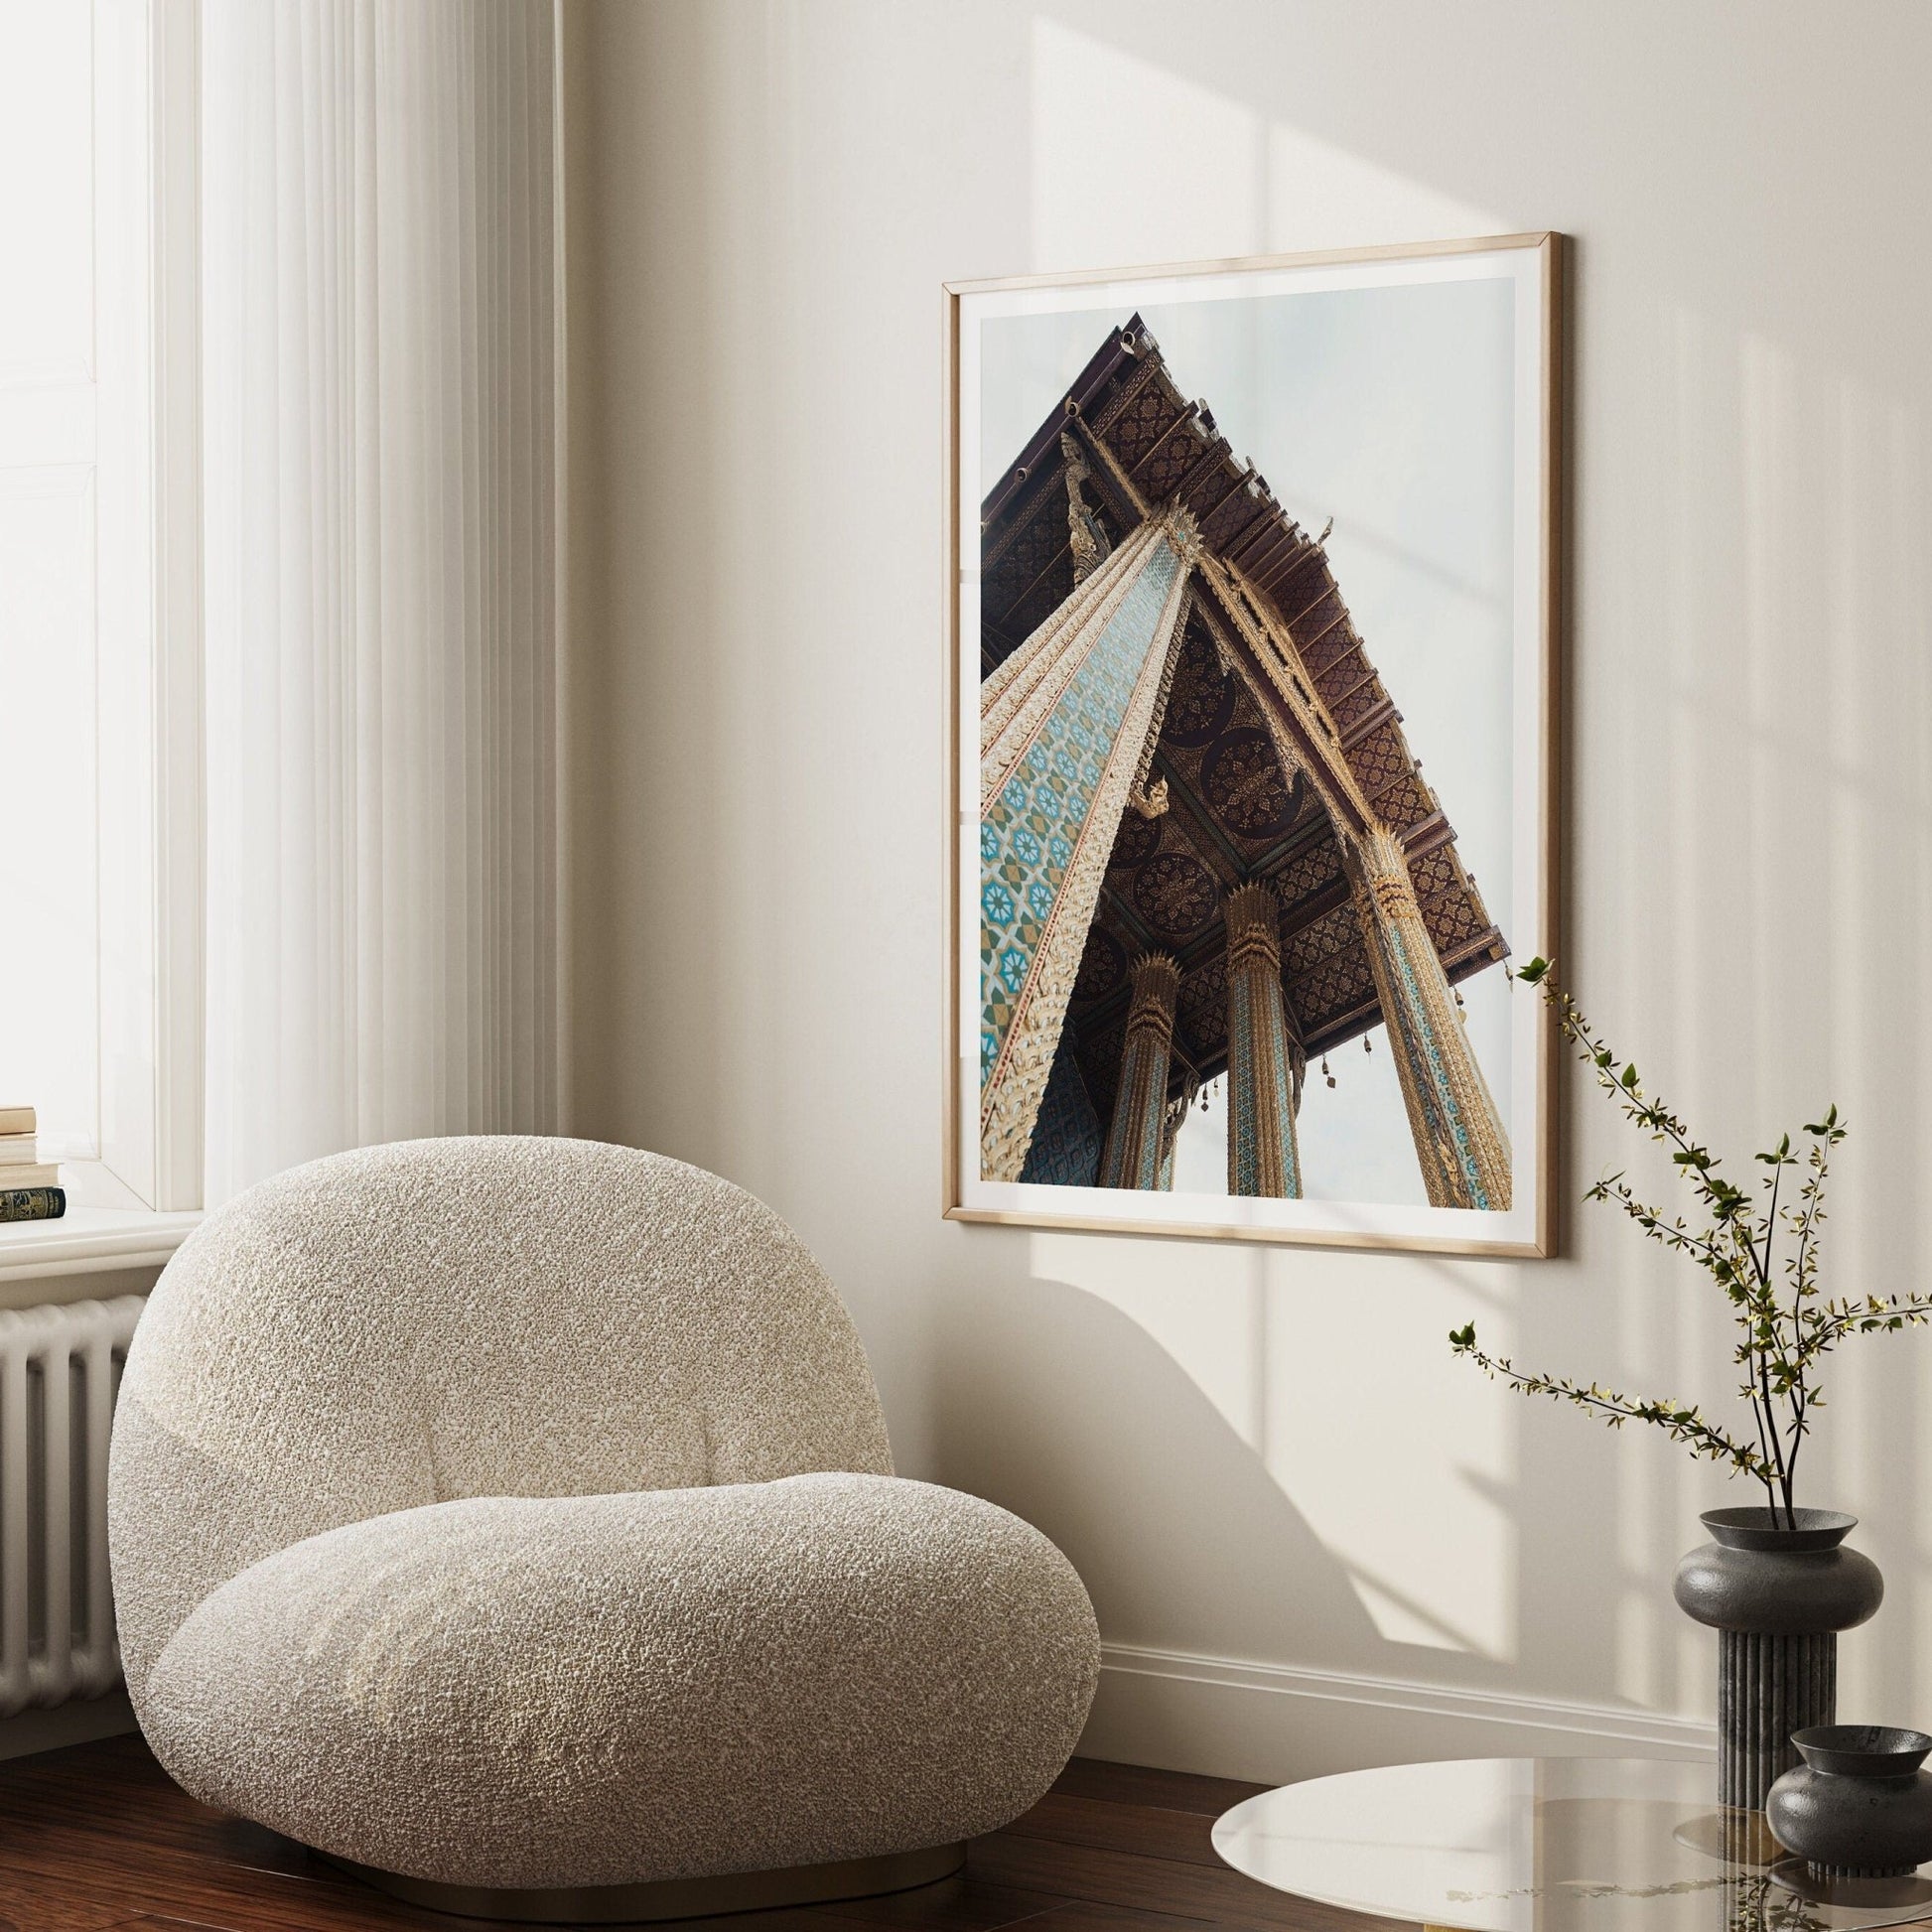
{"x":1682,"y":1422}
{"x":1758,"y":1245}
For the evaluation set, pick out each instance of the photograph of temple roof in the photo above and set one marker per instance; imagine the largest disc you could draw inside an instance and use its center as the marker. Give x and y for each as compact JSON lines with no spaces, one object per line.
{"x":1208,"y":853}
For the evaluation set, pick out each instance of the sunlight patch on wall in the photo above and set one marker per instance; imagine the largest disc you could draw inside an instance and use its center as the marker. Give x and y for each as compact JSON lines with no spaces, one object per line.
{"x":1297,"y":1349}
{"x":1103,"y":192}
{"x":1319,"y":195}
{"x":1771,"y":665}
{"x":1219,"y":180}
{"x":1423,"y":1512}
{"x":1400,"y":1618}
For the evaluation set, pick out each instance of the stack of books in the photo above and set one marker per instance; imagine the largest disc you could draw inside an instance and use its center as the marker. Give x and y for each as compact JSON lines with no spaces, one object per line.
{"x":30,"y":1188}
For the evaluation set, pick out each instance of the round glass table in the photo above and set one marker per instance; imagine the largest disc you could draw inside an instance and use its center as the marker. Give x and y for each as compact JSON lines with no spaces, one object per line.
{"x":1548,"y":1844}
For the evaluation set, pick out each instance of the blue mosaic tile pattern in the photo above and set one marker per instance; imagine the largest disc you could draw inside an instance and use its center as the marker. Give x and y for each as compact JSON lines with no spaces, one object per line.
{"x":1143,"y":1083}
{"x":1415,"y":1038}
{"x":1032,"y":826}
{"x":1255,"y":1013}
{"x":1066,"y":1145}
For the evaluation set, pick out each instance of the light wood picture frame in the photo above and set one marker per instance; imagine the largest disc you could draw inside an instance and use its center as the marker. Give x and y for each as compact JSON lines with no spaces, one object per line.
{"x":1236,"y":552}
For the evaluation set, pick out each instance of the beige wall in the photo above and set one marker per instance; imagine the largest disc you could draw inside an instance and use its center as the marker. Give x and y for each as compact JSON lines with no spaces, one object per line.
{"x":1312,"y":1538}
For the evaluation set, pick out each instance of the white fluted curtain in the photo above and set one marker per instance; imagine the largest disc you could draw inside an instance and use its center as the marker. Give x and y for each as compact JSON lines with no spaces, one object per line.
{"x":380,"y":244}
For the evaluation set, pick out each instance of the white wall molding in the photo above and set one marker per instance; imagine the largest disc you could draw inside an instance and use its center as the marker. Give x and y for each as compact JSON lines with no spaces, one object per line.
{"x":1231,"y":1717}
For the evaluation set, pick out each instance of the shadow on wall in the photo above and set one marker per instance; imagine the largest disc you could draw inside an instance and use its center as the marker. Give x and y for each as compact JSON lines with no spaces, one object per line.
{"x":1065,"y":1408}
{"x":1169,"y":1468}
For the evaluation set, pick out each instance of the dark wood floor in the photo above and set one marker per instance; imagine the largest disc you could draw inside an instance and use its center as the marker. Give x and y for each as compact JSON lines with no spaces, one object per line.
{"x":97,"y":1836}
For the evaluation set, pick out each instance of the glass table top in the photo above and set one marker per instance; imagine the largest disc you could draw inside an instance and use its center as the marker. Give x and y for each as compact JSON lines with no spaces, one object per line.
{"x":1548,"y":1844}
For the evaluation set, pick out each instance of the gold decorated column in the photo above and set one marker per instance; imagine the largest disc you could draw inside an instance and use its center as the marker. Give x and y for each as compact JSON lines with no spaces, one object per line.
{"x":1265,"y":1062}
{"x":1062,"y":743}
{"x":1137,"y":1138}
{"x":1461,"y":1142}
{"x":1021,"y":692}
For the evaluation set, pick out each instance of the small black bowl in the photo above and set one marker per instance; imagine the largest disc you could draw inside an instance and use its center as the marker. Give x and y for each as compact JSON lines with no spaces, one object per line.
{"x":1863,"y":1750}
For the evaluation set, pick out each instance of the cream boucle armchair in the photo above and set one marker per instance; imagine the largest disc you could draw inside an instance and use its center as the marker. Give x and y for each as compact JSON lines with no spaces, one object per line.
{"x":514,"y":1518}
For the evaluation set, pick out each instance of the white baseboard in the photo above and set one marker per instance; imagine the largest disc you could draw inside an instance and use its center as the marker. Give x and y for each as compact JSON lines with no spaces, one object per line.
{"x":1273,"y":1723}
{"x":1223,"y":1717}
{"x":77,"y":1722}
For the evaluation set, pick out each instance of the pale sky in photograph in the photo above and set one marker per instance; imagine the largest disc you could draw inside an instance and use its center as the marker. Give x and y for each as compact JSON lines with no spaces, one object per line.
{"x":1389,"y":409}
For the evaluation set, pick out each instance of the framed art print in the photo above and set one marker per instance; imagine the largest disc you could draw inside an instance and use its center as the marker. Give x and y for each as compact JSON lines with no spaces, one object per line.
{"x":1253,"y":586}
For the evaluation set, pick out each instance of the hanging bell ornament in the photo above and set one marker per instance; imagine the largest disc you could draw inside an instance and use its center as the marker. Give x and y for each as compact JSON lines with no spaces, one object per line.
{"x":1326,"y":1074}
{"x":1368,"y":1045}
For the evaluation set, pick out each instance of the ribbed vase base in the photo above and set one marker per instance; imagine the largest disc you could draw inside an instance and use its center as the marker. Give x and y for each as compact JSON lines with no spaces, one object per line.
{"x":1767,"y":1687}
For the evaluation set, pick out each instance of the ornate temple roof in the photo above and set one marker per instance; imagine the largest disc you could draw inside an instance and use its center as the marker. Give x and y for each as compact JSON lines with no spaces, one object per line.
{"x":1233,"y":813}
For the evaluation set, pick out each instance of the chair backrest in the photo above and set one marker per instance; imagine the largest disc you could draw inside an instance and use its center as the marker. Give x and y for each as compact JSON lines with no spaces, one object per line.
{"x":480,"y":1317}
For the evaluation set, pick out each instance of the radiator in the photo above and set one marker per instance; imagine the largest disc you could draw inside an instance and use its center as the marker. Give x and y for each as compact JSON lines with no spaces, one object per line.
{"x":59,"y":1370}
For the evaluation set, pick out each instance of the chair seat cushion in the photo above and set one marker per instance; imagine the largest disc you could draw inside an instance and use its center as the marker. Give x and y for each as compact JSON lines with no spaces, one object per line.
{"x":609,"y":1689}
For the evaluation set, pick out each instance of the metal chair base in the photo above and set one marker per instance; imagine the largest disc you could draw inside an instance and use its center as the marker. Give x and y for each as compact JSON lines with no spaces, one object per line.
{"x":670,"y":1898}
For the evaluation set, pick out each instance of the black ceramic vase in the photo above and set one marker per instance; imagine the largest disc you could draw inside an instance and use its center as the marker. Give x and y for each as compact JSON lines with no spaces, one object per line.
{"x":1777,"y":1589}
{"x":1859,"y":1806}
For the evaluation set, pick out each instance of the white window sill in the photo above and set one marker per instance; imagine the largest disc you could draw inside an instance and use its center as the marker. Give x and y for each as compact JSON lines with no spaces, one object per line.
{"x":92,"y":1240}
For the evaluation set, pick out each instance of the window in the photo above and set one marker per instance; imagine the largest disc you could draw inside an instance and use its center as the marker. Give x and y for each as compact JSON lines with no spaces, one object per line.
{"x":100,"y":790}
